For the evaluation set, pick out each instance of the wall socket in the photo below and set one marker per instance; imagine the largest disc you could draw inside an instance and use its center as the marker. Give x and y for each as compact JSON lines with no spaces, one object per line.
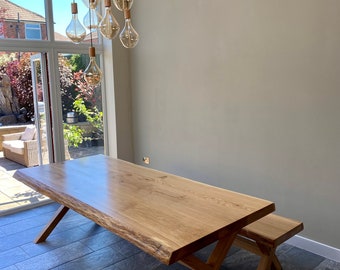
{"x":146,"y":160}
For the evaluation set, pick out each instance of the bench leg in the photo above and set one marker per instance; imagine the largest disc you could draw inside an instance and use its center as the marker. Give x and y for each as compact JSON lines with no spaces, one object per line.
{"x":268,"y":256}
{"x":52,"y":224}
{"x":268,"y":259}
{"x":276,"y":263}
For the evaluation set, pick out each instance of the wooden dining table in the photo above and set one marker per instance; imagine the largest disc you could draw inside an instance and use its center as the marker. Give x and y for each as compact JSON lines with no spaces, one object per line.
{"x":167,"y":216}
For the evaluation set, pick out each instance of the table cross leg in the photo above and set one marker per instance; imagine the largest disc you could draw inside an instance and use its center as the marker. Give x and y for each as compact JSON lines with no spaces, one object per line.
{"x":52,"y":224}
{"x":216,"y":257}
{"x":220,"y":252}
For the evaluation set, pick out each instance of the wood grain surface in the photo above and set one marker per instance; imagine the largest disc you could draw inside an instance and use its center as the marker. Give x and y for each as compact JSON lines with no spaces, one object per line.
{"x":167,"y":216}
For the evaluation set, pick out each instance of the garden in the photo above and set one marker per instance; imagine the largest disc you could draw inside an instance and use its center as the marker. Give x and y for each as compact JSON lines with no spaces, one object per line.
{"x":78,"y":99}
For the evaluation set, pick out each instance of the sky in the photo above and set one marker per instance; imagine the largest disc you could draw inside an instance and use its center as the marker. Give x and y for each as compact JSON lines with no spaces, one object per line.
{"x":61,"y":11}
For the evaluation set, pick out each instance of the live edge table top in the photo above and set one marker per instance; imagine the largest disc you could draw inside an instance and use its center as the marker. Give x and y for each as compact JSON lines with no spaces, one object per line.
{"x":167,"y":216}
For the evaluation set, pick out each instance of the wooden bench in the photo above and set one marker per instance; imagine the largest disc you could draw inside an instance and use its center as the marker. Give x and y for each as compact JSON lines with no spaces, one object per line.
{"x":265,"y":235}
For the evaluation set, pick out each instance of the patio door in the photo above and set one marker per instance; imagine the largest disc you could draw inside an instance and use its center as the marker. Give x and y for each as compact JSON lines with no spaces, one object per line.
{"x":42,"y":116}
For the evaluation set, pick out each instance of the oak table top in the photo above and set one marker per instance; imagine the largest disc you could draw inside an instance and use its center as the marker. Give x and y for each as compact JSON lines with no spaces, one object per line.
{"x":167,"y":216}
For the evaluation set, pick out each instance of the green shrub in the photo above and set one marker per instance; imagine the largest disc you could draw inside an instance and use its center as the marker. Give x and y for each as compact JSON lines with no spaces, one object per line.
{"x":74,"y":134}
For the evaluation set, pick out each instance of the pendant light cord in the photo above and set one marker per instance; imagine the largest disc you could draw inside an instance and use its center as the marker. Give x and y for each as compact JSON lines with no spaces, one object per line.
{"x":90,"y":24}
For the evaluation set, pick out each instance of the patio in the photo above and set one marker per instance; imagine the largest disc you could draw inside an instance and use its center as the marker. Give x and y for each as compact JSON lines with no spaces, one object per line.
{"x":15,"y":196}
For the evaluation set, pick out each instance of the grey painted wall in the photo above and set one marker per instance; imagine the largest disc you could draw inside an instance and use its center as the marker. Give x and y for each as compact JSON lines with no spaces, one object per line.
{"x":245,"y":95}
{"x":122,"y":93}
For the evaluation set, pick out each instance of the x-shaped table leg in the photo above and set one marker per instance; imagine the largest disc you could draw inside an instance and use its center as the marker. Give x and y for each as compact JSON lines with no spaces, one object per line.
{"x":216,"y":258}
{"x":52,"y":224}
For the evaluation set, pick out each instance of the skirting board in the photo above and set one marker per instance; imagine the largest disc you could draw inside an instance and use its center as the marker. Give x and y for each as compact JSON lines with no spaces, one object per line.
{"x":328,"y":252}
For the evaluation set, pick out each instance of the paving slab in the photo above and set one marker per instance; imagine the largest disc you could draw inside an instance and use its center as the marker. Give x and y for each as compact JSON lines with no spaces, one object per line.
{"x":13,"y":194}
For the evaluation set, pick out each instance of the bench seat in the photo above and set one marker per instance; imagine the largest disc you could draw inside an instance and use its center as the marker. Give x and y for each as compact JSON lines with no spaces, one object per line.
{"x":265,"y":235}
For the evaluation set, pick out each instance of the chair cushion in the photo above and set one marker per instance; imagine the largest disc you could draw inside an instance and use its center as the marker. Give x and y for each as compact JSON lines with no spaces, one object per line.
{"x":15,"y":146}
{"x":28,"y":133}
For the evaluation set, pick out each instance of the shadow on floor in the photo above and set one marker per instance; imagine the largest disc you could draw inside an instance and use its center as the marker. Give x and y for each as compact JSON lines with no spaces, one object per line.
{"x":8,"y":165}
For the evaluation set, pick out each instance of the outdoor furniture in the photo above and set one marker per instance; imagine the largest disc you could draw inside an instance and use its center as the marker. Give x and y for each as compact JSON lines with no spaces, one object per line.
{"x":167,"y":216}
{"x":9,"y":130}
{"x":21,"y":147}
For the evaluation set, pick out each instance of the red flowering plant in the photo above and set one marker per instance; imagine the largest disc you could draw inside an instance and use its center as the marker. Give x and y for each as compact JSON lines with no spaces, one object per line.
{"x":85,"y":91}
{"x":19,"y":72}
{"x":67,"y":87}
{"x":18,"y":67}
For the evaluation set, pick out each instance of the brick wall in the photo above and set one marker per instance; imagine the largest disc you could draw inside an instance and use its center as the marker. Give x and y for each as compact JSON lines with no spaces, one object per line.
{"x":10,"y":30}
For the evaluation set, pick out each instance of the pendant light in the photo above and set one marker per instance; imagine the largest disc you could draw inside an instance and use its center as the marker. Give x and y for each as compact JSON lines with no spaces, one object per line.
{"x":109,"y":26}
{"x":94,"y":3}
{"x":92,"y":74}
{"x":129,"y":37}
{"x":91,"y":19}
{"x":75,"y":31}
{"x":123,"y":4}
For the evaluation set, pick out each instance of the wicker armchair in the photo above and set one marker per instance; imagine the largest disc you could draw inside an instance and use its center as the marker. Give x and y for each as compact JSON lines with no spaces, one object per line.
{"x":23,"y":152}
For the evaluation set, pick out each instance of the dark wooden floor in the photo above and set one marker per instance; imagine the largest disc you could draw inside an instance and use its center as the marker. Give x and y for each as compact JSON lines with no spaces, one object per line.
{"x":78,"y":243}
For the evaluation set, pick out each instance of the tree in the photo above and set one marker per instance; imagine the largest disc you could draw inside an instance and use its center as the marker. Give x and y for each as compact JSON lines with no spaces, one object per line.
{"x":19,"y":71}
{"x":67,"y":88}
{"x":78,"y":62}
{"x":85,"y":91}
{"x":5,"y":58}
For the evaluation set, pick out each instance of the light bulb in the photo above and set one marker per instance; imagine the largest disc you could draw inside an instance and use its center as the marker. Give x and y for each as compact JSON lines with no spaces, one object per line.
{"x":129,"y":37}
{"x":92,"y":74}
{"x":93,"y":3}
{"x":75,"y":31}
{"x":123,"y":4}
{"x":92,"y":18}
{"x":109,"y":26}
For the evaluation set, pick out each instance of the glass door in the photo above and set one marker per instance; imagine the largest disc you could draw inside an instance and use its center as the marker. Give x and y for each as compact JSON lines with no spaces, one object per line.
{"x":42,"y":118}
{"x":82,"y":109}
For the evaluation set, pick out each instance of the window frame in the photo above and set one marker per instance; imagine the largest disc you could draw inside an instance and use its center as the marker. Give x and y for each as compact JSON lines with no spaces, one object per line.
{"x":29,"y":26}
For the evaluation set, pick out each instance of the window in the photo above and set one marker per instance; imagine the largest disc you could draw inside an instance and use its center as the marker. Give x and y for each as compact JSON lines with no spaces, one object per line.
{"x":32,"y":31}
{"x":2,"y":30}
{"x":64,"y":61}
{"x":51,"y":63}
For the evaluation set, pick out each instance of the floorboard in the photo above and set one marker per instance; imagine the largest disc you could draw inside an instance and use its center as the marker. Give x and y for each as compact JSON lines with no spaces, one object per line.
{"x":78,"y":243}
